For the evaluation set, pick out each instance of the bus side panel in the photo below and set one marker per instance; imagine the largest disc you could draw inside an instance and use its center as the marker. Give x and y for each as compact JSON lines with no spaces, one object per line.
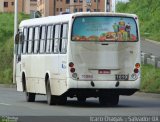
{"x":59,"y":86}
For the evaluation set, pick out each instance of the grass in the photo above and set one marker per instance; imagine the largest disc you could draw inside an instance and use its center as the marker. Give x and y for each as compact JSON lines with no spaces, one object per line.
{"x":150,"y":80}
{"x":6,"y":45}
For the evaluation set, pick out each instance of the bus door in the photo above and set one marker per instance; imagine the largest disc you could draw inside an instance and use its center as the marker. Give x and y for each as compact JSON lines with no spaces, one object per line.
{"x":18,"y":46}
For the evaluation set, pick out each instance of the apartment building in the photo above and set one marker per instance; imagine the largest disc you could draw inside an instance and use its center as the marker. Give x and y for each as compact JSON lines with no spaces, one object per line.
{"x":26,"y":6}
{"x":55,"y":7}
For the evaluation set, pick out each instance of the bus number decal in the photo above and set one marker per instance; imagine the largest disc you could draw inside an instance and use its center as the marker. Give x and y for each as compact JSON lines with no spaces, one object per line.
{"x":87,"y":76}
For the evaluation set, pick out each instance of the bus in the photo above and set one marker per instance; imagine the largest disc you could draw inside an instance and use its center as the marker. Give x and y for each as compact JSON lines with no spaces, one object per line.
{"x":82,"y":55}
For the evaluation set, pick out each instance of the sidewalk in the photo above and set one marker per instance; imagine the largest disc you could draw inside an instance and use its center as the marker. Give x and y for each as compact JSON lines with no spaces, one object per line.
{"x":143,"y":94}
{"x":8,"y":85}
{"x":152,"y":41}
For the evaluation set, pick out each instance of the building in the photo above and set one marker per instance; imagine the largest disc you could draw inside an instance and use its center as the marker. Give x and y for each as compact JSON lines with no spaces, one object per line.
{"x":26,"y":6}
{"x":55,"y":7}
{"x":30,"y":6}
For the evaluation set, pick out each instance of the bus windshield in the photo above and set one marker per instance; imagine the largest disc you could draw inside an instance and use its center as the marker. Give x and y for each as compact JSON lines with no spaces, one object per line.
{"x":100,"y":28}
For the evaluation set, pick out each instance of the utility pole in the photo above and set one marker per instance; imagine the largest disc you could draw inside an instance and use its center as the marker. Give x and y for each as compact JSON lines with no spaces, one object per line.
{"x":54,"y":7}
{"x":15,"y":32}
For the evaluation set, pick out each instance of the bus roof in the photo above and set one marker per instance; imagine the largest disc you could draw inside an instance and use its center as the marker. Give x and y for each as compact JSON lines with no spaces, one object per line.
{"x":67,"y":17}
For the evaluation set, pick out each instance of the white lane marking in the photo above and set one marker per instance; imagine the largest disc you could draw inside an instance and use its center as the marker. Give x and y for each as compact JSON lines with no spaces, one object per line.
{"x":5,"y":104}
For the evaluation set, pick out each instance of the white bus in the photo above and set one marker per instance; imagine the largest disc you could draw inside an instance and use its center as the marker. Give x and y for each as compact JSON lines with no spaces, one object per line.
{"x":79,"y":55}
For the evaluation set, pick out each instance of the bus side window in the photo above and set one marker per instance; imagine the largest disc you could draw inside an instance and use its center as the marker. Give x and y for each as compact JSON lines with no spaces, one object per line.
{"x":36,"y":39}
{"x":30,"y":40}
{"x":25,"y":43}
{"x":52,"y":40}
{"x":56,"y":38}
{"x":43,"y":39}
{"x":63,"y":40}
{"x":49,"y":38}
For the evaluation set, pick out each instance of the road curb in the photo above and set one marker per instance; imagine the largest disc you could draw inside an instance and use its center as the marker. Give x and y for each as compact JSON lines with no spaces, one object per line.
{"x":144,"y":94}
{"x":152,"y":41}
{"x":8,"y":85}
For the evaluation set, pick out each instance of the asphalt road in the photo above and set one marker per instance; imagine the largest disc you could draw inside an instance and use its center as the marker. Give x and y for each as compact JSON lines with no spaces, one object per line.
{"x":12,"y":103}
{"x":150,"y":47}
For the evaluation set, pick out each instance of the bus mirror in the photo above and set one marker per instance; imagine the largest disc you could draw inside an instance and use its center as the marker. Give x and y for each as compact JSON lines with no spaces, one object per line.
{"x":17,"y":38}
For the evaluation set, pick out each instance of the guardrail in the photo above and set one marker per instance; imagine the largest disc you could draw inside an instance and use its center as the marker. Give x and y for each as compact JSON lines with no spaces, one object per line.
{"x":150,"y":59}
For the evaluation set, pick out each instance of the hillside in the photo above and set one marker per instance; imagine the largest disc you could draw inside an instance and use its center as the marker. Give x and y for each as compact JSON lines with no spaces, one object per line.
{"x":148,"y":12}
{"x":6,"y":45}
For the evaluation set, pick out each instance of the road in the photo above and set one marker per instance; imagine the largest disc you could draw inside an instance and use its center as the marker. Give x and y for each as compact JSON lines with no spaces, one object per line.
{"x":12,"y":103}
{"x":149,"y":47}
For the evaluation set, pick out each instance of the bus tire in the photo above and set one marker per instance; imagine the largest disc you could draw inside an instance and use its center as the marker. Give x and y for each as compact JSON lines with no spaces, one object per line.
{"x":81,"y":99}
{"x":111,"y":100}
{"x":30,"y":97}
{"x":51,"y":99}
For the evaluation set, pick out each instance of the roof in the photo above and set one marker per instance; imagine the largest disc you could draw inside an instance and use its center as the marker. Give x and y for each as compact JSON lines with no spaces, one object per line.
{"x":67,"y":17}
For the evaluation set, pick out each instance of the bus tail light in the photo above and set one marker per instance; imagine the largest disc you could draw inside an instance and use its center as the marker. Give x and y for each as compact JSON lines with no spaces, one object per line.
{"x":137,"y":65}
{"x":136,"y":70}
{"x":72,"y":70}
{"x":71,"y":64}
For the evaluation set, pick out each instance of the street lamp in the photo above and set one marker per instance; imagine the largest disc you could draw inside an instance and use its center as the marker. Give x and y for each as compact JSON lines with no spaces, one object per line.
{"x":15,"y":32}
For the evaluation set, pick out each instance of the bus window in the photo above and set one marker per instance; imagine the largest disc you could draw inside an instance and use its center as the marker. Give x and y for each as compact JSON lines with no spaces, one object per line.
{"x":42,"y":39}
{"x":113,"y":29}
{"x":56,"y":38}
{"x":36,"y":40}
{"x":52,"y":41}
{"x":49,"y":38}
{"x":19,"y":50}
{"x":25,"y":43}
{"x":63,"y":42}
{"x":30,"y":40}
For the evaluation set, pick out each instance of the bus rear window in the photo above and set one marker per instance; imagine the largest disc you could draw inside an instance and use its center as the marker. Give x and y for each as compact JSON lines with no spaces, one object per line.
{"x":104,"y":29}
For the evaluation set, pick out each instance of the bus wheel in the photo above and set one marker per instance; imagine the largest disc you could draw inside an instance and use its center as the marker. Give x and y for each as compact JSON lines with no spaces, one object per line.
{"x":111,"y":100}
{"x":51,"y":99}
{"x":30,"y":97}
{"x":81,"y":99}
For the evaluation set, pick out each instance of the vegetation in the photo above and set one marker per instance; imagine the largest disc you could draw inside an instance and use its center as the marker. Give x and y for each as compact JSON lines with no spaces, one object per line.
{"x":6,"y":45}
{"x":148,"y":12}
{"x":150,"y":80}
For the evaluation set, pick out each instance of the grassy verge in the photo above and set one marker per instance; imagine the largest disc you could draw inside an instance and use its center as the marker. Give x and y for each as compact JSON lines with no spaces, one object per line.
{"x":6,"y":45}
{"x":150,"y":81}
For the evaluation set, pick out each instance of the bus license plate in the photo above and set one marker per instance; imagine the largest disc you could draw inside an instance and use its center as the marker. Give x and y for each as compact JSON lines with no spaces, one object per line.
{"x":121,"y":77}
